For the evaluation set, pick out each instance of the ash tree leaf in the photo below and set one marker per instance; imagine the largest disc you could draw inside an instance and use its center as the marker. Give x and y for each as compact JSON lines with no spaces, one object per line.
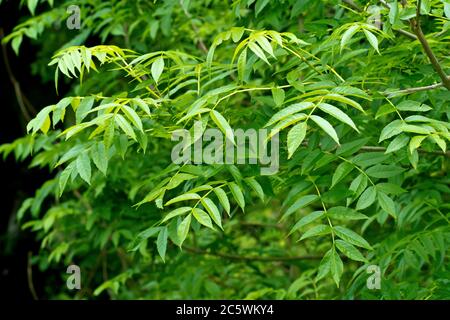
{"x":223,"y":199}
{"x":384,"y":171}
{"x":336,"y":267}
{"x":288,"y":111}
{"x":254,"y":184}
{"x":398,"y":143}
{"x":350,"y":251}
{"x":183,"y":229}
{"x":84,"y":167}
{"x":341,"y":172}
{"x":241,"y":64}
{"x":372,"y":39}
{"x":319,"y":230}
{"x":161,"y":243}
{"x":183,"y":197}
{"x":351,"y":237}
{"x":177,"y":212}
{"x":258,"y":52}
{"x":157,"y":68}
{"x":348,"y":34}
{"x":324,"y":266}
{"x":311,"y":217}
{"x":223,"y":125}
{"x":295,"y":137}
{"x":278,"y":95}
{"x":387,"y":204}
{"x":345,"y":213}
{"x":100,"y":157}
{"x":202,"y":217}
{"x":300,"y":203}
{"x":237,"y":194}
{"x":213,"y":211}
{"x":326,"y":126}
{"x":338,"y":114}
{"x":367,"y":198}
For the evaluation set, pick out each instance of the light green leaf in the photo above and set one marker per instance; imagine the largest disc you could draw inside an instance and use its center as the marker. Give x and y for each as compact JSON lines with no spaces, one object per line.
{"x":161,"y":243}
{"x":295,"y":137}
{"x":175,"y":213}
{"x":352,"y":237}
{"x":319,"y":230}
{"x":350,"y":251}
{"x":367,"y":198}
{"x":183,"y":197}
{"x":338,"y":114}
{"x":84,"y":167}
{"x":223,"y":125}
{"x":326,"y":126}
{"x":202,"y":217}
{"x":213,"y":211}
{"x":223,"y":199}
{"x":237,"y":194}
{"x":157,"y":68}
{"x":183,"y":229}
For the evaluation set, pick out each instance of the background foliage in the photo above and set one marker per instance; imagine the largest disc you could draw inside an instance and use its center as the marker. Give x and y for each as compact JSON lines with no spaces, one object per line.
{"x":358,"y":91}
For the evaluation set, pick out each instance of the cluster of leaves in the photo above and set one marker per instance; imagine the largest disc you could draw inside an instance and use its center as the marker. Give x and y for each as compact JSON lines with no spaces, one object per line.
{"x":363,"y":174}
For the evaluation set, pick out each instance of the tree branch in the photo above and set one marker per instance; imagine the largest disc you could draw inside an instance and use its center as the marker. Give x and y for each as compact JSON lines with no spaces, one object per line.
{"x":416,"y":89}
{"x":415,"y":24}
{"x":250,"y":258}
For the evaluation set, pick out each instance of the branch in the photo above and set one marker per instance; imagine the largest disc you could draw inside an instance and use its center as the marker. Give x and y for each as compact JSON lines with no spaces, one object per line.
{"x":382,"y":149}
{"x":415,"y":24}
{"x":414,"y":90}
{"x":250,"y":258}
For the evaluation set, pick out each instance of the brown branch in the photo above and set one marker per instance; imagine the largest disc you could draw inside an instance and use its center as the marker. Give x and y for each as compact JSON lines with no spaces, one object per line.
{"x":401,"y":31}
{"x":415,"y":24}
{"x":30,"y":277}
{"x":250,"y":258}
{"x":21,"y":99}
{"x":382,"y":149}
{"x":414,"y":90}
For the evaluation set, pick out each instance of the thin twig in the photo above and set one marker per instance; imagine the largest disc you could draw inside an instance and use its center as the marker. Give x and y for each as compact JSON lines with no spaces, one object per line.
{"x":250,"y":258}
{"x":30,"y":277}
{"x":416,"y":89}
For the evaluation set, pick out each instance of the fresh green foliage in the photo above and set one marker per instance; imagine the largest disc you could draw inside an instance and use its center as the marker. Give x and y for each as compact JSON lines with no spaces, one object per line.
{"x":363,"y":176}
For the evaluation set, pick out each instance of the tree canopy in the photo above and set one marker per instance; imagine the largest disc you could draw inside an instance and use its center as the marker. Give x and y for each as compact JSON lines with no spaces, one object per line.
{"x":357,"y":92}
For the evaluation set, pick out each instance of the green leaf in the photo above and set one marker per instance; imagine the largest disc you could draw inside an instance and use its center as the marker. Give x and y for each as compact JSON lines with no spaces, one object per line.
{"x":348,"y":34}
{"x":344,"y":213}
{"x":161,"y":243}
{"x":319,"y":230}
{"x":350,"y":251}
{"x":387,"y":204}
{"x":367,"y":198}
{"x":338,"y":114}
{"x":384,"y":171}
{"x":133,"y":117}
{"x":398,"y":143}
{"x":326,"y":126}
{"x":311,"y":217}
{"x":213,"y":211}
{"x":223,"y":199}
{"x":100,"y":157}
{"x":295,"y":137}
{"x":202,"y":217}
{"x":264,"y":44}
{"x":241,"y":63}
{"x":157,"y":68}
{"x":341,"y":172}
{"x":416,"y":142}
{"x":324,"y":266}
{"x":292,"y":109}
{"x":300,"y":203}
{"x":15,"y":43}
{"x":256,"y":187}
{"x":259,"y":53}
{"x":237,"y":194}
{"x":352,"y":237}
{"x":175,"y":213}
{"x":183,"y":197}
{"x":125,"y":126}
{"x":278,"y":96}
{"x":372,"y":39}
{"x":223,"y":125}
{"x":84,"y":167}
{"x":183,"y":229}
{"x":336,"y":267}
